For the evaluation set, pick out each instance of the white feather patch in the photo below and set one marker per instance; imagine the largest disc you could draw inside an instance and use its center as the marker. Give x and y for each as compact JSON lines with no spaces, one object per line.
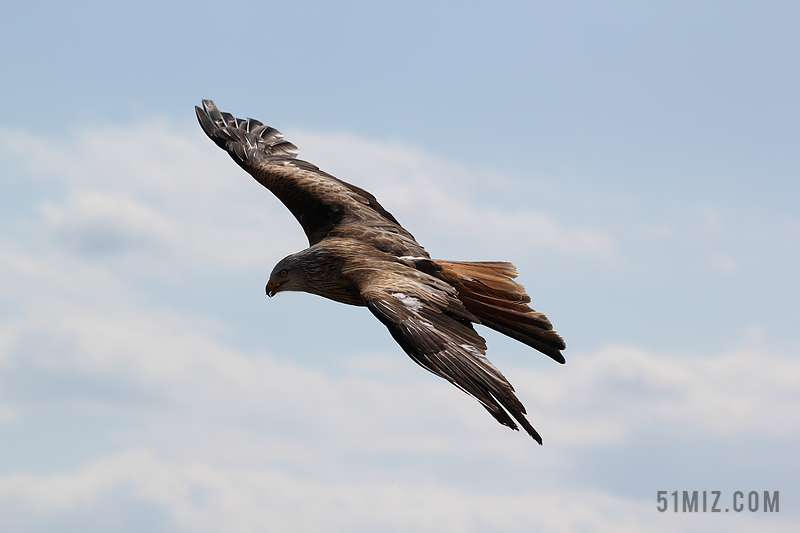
{"x":409,"y":301}
{"x":472,"y":350}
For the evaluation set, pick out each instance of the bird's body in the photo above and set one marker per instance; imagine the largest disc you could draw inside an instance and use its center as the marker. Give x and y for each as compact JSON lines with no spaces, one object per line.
{"x":360,"y":255}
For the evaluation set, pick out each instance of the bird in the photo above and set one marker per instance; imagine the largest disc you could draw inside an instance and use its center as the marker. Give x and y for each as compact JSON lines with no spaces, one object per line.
{"x":360,"y":255}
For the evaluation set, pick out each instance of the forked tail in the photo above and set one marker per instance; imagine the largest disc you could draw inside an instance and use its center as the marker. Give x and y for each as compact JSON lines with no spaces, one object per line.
{"x":488,"y":291}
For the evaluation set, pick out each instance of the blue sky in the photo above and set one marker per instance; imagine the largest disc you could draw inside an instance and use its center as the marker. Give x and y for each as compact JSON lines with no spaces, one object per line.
{"x":637,"y":161}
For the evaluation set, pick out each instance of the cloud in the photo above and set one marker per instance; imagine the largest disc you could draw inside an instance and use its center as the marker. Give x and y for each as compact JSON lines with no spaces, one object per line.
{"x":198,"y":432}
{"x":149,"y":188}
{"x":203,"y":498}
{"x":448,"y":200}
{"x":216,"y":438}
{"x":623,"y":391}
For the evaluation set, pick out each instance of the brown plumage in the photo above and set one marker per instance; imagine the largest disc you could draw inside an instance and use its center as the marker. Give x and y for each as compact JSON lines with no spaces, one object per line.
{"x":359,"y":254}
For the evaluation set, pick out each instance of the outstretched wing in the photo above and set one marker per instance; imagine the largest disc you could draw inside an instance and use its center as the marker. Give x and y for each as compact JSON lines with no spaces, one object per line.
{"x":324,"y":205}
{"x":426,"y":318}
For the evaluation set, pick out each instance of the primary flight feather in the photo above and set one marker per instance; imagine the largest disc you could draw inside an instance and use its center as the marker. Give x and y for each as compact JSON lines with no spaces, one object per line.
{"x":359,"y":254}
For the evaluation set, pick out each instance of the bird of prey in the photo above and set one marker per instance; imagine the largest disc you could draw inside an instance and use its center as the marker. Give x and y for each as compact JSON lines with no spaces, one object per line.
{"x":359,"y":254}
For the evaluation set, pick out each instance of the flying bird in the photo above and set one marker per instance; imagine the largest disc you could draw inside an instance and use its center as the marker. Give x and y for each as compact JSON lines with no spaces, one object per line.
{"x":359,"y":254}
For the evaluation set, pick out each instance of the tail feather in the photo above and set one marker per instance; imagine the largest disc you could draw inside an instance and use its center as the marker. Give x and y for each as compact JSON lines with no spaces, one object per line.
{"x":488,"y":290}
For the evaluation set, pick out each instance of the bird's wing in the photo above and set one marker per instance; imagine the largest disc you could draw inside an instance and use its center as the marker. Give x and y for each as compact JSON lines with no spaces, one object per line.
{"x":324,"y":205}
{"x":426,"y":318}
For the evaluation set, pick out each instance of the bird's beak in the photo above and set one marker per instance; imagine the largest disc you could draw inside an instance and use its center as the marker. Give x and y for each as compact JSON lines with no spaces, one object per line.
{"x":273,"y":288}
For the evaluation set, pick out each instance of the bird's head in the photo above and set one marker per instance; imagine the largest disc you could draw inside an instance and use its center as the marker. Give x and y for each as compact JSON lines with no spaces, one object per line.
{"x":284,"y":277}
{"x":315,"y":270}
{"x":292,"y":273}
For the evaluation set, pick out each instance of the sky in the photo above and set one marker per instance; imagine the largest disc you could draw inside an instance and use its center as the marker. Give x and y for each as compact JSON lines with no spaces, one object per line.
{"x":637,"y":162}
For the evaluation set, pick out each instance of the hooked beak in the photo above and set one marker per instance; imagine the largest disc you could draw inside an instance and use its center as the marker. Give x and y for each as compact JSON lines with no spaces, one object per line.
{"x":273,"y":288}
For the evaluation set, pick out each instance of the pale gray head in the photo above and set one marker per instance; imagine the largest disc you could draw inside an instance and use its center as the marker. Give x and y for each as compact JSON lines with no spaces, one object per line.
{"x":315,"y":270}
{"x":294,"y":273}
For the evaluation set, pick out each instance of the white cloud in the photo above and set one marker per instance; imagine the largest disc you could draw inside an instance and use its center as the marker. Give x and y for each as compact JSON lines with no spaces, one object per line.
{"x":445,"y":198}
{"x":201,"y":498}
{"x":220,"y":437}
{"x":620,"y":392}
{"x":204,"y":498}
{"x":151,"y":189}
{"x":229,"y":440}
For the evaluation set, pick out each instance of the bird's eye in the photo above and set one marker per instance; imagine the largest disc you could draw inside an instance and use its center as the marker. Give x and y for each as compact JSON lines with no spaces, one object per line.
{"x":283,"y":273}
